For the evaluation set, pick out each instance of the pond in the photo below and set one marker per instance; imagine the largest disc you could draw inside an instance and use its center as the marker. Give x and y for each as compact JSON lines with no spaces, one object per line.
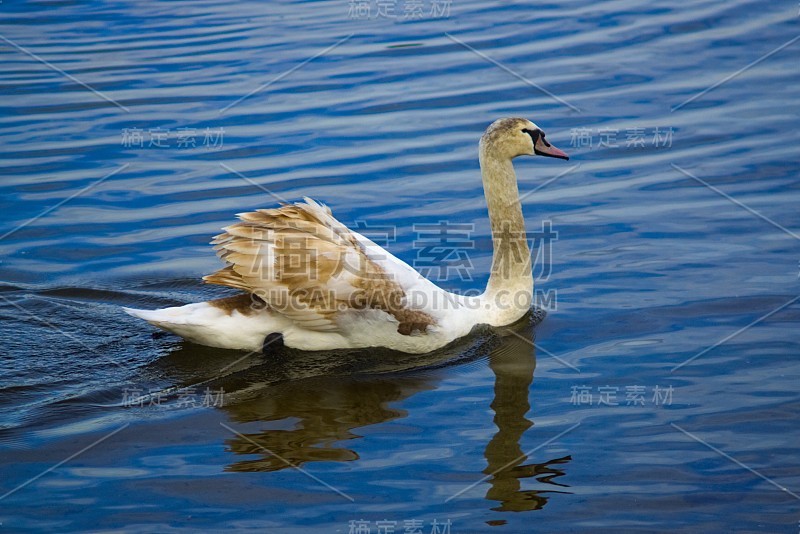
{"x":654,"y":388}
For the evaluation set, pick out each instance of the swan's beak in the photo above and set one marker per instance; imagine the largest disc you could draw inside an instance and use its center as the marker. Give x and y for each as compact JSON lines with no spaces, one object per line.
{"x":542,"y":148}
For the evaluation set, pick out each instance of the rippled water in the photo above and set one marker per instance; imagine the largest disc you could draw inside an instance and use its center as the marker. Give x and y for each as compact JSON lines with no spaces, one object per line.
{"x":677,"y":242}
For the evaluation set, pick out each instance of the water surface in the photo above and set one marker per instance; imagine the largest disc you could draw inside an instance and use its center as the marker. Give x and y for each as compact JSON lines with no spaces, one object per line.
{"x":677,"y":241}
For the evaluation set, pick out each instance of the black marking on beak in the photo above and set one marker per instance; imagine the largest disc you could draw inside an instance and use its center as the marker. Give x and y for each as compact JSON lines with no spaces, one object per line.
{"x":536,"y":136}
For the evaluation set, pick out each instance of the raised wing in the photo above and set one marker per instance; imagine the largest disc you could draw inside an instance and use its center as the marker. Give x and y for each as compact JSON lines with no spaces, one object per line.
{"x":308,"y":266}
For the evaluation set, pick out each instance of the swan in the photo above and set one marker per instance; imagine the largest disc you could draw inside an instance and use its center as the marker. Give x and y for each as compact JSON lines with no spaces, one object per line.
{"x":314,"y":284}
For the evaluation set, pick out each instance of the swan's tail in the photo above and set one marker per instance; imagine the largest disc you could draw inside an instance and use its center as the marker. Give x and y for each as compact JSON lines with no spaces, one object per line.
{"x":154,"y":317}
{"x":217,"y":323}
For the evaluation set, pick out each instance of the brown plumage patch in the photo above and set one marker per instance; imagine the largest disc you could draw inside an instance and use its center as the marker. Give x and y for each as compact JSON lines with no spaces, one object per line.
{"x":246,"y":304}
{"x":501,"y":128}
{"x":308,"y":266}
{"x":226,"y":277}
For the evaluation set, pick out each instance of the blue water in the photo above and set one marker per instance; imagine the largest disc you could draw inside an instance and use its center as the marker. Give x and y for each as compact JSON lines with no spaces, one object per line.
{"x":677,"y":241}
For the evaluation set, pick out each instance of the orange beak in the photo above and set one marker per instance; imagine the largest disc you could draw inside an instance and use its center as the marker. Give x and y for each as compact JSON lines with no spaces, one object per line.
{"x":542,"y":148}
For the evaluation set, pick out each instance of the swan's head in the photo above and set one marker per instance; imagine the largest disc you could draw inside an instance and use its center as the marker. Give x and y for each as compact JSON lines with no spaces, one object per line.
{"x":518,"y":137}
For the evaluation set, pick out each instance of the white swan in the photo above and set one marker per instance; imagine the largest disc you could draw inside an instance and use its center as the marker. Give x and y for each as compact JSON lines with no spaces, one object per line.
{"x":322,"y":286}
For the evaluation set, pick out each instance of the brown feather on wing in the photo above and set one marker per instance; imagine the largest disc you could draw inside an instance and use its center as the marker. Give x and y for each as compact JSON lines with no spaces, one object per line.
{"x":308,"y":266}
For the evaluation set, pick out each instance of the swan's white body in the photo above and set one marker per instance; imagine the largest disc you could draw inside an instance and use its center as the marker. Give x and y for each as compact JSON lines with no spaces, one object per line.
{"x":323,"y":286}
{"x":454,"y":315}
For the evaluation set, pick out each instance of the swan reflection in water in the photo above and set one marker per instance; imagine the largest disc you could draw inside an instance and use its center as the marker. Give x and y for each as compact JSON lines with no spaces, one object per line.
{"x":311,"y":406}
{"x":513,"y":363}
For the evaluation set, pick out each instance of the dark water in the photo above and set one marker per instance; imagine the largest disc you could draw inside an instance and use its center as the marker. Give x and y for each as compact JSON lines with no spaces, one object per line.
{"x":601,"y":427}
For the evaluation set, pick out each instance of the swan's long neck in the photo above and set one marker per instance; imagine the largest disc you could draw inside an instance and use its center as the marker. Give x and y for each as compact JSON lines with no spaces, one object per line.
{"x":509,"y":293}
